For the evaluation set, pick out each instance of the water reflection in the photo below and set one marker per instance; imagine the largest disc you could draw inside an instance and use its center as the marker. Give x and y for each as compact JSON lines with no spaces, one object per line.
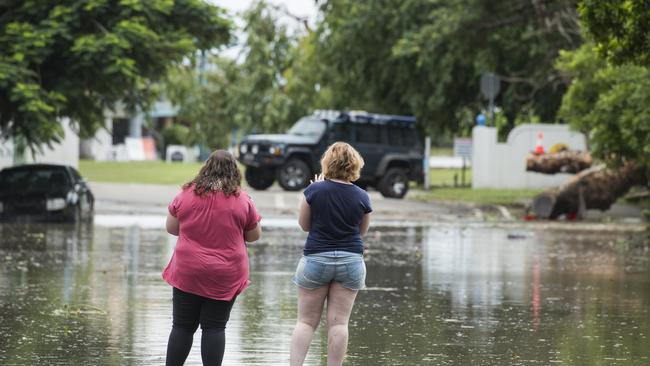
{"x":440,"y":294}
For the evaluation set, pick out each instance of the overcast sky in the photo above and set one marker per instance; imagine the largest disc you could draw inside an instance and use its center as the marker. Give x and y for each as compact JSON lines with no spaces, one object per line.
{"x":302,"y":8}
{"x":299,"y":8}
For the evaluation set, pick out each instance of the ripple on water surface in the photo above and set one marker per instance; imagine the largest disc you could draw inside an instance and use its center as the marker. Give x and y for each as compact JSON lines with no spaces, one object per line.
{"x":447,"y":294}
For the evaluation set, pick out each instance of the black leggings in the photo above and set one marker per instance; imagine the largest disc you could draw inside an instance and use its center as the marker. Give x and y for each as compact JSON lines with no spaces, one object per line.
{"x":189,"y":311}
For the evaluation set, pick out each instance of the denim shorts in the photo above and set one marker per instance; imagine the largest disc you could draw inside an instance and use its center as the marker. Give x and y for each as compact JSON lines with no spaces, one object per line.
{"x":320,"y":269}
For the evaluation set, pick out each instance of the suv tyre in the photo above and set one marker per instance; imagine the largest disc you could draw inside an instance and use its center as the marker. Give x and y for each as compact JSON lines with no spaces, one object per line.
{"x":259,"y":178}
{"x":394,"y":183}
{"x":294,"y":175}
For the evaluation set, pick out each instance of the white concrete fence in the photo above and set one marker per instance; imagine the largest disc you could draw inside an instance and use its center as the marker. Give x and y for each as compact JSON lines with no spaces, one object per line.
{"x":503,"y":165}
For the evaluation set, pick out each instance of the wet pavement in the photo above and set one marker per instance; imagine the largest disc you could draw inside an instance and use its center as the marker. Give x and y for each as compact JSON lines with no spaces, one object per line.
{"x":117,"y":198}
{"x":438,"y":294}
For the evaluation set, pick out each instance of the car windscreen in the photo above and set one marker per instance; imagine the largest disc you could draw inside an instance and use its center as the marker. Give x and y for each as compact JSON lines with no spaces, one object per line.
{"x":310,"y":127}
{"x":41,"y":180}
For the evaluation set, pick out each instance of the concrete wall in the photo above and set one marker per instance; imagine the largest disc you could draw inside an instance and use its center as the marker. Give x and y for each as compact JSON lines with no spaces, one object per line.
{"x":6,"y":153}
{"x":66,"y":152}
{"x":100,"y":147}
{"x":503,"y":165}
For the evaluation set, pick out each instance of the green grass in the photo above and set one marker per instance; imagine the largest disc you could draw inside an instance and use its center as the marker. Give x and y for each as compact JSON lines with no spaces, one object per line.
{"x":148,"y":172}
{"x":443,"y":189}
{"x":442,"y":151}
{"x":445,"y":177}
{"x":157,"y":172}
{"x":506,"y":197}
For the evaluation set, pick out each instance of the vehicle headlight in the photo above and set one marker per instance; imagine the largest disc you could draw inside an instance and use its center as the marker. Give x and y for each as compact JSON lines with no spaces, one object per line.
{"x":275,"y":150}
{"x":55,"y":204}
{"x":243,"y":148}
{"x":255,"y":149}
{"x":72,"y":197}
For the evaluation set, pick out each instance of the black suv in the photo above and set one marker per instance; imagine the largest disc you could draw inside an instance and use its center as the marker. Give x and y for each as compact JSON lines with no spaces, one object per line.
{"x":389,"y":144}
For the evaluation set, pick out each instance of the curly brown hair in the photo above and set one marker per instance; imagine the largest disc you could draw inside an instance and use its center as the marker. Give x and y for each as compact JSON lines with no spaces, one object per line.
{"x":219,"y":173}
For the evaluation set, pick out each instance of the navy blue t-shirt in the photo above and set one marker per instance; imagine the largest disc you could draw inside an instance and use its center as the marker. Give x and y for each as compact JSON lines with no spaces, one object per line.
{"x":336,"y":212}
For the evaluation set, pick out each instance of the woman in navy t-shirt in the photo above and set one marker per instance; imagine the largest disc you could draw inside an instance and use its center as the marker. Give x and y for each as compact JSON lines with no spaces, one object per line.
{"x":336,"y":213}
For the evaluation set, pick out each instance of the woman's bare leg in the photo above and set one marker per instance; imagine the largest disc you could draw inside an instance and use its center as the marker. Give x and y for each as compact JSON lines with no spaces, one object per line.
{"x":310,"y":309}
{"x":339,"y":306}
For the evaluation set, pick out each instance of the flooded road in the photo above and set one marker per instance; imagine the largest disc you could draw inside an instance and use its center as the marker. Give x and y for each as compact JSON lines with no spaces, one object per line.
{"x":445,"y":294}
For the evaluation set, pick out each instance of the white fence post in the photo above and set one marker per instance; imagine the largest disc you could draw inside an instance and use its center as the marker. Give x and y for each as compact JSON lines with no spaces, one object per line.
{"x":426,"y":168}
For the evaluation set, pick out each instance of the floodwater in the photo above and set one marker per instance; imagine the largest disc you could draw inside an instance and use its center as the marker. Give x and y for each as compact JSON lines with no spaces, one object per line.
{"x":439,"y":294}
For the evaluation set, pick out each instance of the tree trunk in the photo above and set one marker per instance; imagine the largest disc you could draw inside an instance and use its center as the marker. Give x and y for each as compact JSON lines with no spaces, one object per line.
{"x":594,"y":188}
{"x":560,"y":162}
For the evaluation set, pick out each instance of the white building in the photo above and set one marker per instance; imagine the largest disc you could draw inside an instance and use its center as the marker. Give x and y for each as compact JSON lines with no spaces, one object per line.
{"x":65,"y":152}
{"x":122,"y":135}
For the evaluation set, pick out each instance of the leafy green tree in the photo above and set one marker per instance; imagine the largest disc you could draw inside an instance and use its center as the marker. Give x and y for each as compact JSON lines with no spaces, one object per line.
{"x":259,"y":88}
{"x":426,"y":57}
{"x":619,"y":28}
{"x":256,"y":92}
{"x":176,"y":134}
{"x":609,"y":103}
{"x":205,"y":100}
{"x":77,"y":58}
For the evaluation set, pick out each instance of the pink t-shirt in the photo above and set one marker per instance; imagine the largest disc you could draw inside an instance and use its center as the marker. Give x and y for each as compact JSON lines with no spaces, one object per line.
{"x":210,"y":258}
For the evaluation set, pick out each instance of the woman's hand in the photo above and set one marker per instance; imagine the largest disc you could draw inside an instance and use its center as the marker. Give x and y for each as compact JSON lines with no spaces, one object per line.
{"x":317,"y":178}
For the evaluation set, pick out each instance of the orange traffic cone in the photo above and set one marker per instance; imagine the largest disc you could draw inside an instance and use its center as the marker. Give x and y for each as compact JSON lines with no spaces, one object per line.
{"x":539,"y":149}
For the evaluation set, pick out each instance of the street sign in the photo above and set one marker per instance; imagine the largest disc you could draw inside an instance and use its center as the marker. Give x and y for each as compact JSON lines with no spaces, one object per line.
{"x":463,"y":147}
{"x":490,"y":85}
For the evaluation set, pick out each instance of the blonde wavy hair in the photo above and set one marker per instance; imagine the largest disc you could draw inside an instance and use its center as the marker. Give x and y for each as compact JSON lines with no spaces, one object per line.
{"x":341,"y":161}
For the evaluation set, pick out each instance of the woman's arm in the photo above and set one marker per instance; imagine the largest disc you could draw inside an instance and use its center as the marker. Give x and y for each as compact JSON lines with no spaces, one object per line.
{"x":172,"y":225}
{"x":304,"y":217}
{"x":253,"y":235}
{"x":365,"y":224}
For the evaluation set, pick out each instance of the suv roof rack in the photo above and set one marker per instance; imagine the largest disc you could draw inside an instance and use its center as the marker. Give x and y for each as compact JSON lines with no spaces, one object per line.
{"x":362,"y":116}
{"x":326,"y":113}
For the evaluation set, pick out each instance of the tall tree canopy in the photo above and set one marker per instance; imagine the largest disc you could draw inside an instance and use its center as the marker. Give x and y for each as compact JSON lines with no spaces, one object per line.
{"x":77,"y":58}
{"x":610,"y":89}
{"x":250,"y":93}
{"x":619,"y":28}
{"x":610,"y":104}
{"x":426,"y":57}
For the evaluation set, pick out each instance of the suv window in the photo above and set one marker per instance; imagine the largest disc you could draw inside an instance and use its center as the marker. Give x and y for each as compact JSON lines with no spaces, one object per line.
{"x":368,"y":134}
{"x":395,"y":136}
{"x":308,"y":127}
{"x":341,"y":132}
{"x":409,"y":138}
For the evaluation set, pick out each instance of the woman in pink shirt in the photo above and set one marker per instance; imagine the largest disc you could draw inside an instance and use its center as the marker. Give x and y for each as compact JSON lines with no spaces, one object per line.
{"x":212,"y":218}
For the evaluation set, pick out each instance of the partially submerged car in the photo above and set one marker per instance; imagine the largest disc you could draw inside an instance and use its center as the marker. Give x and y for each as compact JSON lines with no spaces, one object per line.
{"x":44,"y":192}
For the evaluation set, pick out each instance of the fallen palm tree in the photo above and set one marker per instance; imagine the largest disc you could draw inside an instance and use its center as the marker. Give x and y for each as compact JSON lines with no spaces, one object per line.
{"x":595,"y":188}
{"x":566,"y":161}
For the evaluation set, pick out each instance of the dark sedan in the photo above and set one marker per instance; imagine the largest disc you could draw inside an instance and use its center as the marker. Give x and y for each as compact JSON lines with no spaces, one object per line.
{"x":44,"y":192}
